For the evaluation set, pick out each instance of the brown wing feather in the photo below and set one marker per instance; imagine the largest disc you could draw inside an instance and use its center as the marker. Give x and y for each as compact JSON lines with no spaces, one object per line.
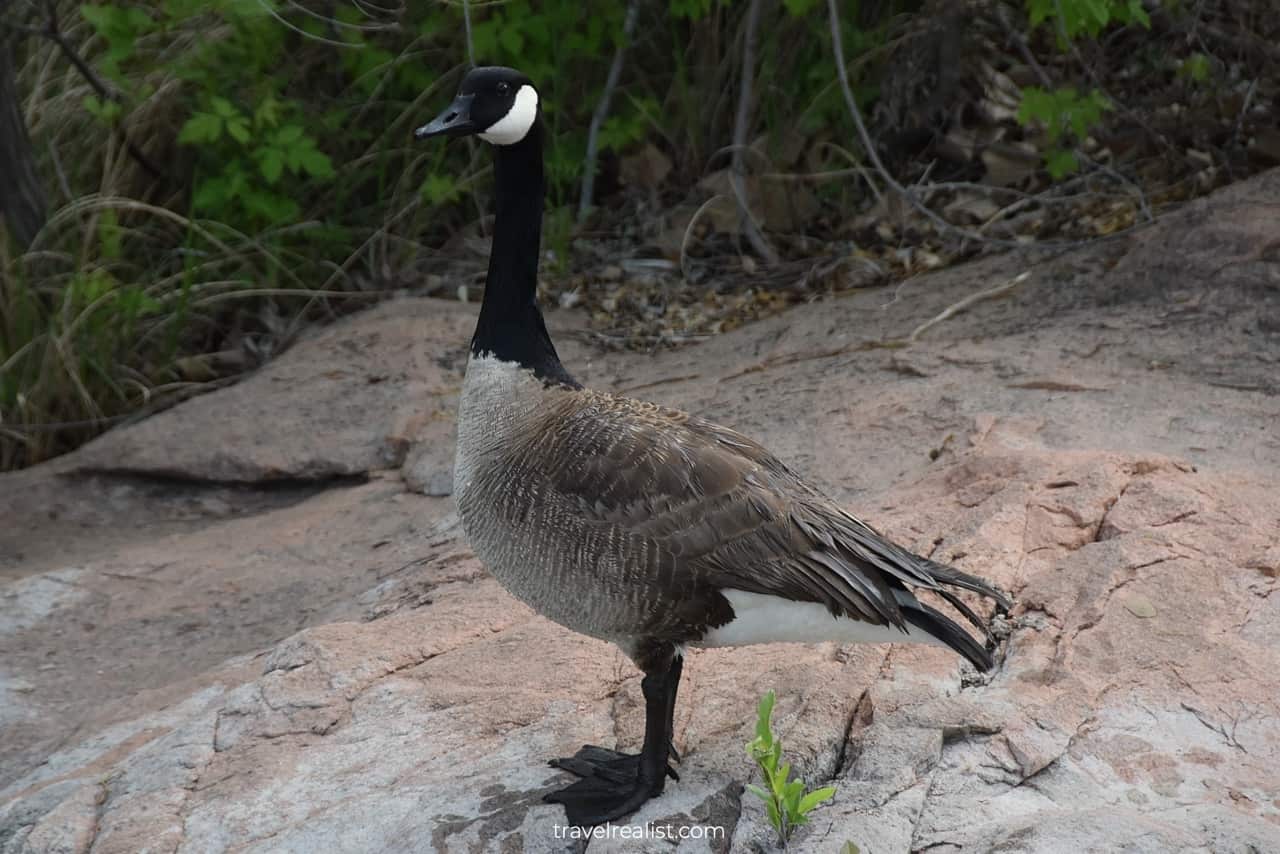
{"x":729,"y":512}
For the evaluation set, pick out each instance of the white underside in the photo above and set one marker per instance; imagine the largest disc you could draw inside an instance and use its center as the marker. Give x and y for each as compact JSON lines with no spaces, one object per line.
{"x":760,"y":618}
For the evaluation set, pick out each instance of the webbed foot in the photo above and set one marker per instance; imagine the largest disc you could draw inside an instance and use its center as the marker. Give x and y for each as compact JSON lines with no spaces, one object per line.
{"x":613,"y":785}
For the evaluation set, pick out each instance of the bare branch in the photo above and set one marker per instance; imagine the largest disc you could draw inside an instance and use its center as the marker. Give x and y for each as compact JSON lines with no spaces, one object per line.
{"x":741,"y":125}
{"x":284,"y":22}
{"x":1023,"y":48}
{"x":961,"y":305}
{"x":602,"y":111}
{"x":688,"y":232}
{"x":466,"y":21}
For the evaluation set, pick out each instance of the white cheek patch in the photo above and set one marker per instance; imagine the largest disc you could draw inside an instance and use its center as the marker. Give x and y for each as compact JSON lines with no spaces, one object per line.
{"x":512,"y":127}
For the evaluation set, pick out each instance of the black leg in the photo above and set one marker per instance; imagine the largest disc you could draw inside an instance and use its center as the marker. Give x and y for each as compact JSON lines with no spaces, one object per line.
{"x":677,"y":666}
{"x":616,"y":784}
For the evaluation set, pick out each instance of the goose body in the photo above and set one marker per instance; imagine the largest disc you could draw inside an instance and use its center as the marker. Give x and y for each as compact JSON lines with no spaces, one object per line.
{"x":640,"y":524}
{"x":629,"y":522}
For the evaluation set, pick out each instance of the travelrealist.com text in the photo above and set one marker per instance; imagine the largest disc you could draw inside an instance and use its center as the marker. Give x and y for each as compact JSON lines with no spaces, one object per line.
{"x":640,"y":831}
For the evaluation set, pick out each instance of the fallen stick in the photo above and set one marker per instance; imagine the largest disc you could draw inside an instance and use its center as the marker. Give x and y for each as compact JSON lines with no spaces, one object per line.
{"x":971,"y":299}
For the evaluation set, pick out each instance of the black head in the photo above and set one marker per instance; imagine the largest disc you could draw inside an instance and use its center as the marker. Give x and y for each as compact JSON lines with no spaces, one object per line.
{"x":499,"y":105}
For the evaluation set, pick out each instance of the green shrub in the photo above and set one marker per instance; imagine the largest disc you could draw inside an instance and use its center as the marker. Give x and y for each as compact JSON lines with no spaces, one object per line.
{"x":1065,"y":114}
{"x":1074,"y":18}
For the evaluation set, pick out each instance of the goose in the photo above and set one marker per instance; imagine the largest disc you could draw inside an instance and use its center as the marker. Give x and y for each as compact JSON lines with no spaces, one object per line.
{"x":642,"y":525}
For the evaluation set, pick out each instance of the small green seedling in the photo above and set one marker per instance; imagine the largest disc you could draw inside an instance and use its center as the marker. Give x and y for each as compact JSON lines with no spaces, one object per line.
{"x":786,"y":800}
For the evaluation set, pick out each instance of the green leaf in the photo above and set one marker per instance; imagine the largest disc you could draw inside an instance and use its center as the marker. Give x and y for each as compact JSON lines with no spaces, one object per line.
{"x":791,"y":795}
{"x":104,"y":111}
{"x":271,"y":164}
{"x":1060,"y":163}
{"x":236,"y":182}
{"x":315,"y":163}
{"x":1038,"y":11}
{"x":99,"y":17}
{"x":1196,"y":67}
{"x":780,"y":781}
{"x":211,"y":194}
{"x":269,"y":206}
{"x":223,"y":107}
{"x":511,"y":39}
{"x":133,"y":302}
{"x":763,"y":713}
{"x":759,"y":792}
{"x":288,"y":135}
{"x":1101,"y":13}
{"x":796,"y":8}
{"x":267,"y":113}
{"x":440,"y":188}
{"x":816,"y":797}
{"x":769,"y":761}
{"x":109,"y":234}
{"x":774,"y":817}
{"x":238,"y":129}
{"x":201,"y":127}
{"x":1036,"y":106}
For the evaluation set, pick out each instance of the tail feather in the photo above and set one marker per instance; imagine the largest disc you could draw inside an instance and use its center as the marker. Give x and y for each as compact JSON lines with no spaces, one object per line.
{"x":940,"y":626}
{"x":968,"y":613}
{"x":949,"y":575}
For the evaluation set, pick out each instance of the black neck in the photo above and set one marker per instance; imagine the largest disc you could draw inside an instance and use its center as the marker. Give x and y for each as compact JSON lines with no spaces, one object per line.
{"x":510,"y":326}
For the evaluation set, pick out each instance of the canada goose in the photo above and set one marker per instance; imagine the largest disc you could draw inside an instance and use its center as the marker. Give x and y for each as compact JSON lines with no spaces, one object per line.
{"x":643,"y":525}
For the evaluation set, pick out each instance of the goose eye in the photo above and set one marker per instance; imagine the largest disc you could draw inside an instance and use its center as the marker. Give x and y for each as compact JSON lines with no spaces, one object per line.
{"x":503,"y":87}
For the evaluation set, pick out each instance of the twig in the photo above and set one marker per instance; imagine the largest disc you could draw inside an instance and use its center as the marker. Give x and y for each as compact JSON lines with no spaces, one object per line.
{"x":54,"y":33}
{"x":1104,"y":168}
{"x":284,"y":22}
{"x":857,"y":164}
{"x":814,"y":355}
{"x":346,"y":25}
{"x":1244,"y":110}
{"x":1023,"y":48}
{"x":734,"y":148}
{"x":688,"y":230}
{"x":466,"y":22}
{"x":602,"y":110}
{"x":472,"y":147}
{"x":960,"y":306}
{"x":663,"y":381}
{"x":740,"y":126}
{"x":63,"y":183}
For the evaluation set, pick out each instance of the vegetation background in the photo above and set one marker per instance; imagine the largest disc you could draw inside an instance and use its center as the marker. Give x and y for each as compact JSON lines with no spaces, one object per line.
{"x":189,"y":183}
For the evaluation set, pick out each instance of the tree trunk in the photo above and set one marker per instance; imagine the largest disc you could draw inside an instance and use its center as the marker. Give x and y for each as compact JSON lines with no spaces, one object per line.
{"x":22,"y":200}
